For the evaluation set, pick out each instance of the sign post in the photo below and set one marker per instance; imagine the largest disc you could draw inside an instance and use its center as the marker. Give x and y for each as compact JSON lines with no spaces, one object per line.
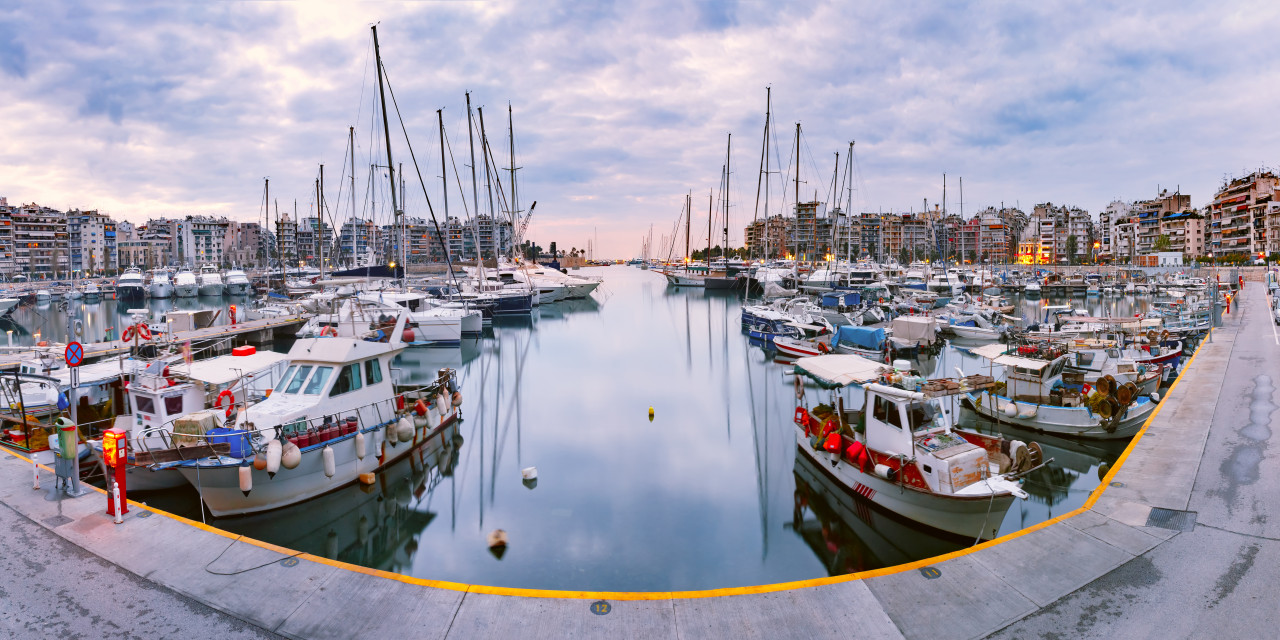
{"x":74,"y":355}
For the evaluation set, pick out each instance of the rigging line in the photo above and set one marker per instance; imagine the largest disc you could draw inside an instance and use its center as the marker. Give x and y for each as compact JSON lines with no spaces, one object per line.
{"x":457,"y":177}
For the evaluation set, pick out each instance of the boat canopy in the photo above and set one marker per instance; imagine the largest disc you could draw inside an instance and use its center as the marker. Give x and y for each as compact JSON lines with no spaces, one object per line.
{"x":864,"y":337}
{"x":225,"y":369}
{"x":839,"y":370}
{"x":915,"y":329}
{"x":997,"y":354}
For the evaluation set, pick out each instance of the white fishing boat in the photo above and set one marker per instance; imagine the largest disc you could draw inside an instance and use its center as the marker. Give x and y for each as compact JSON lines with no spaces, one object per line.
{"x":166,"y":392}
{"x":91,"y":292}
{"x":1036,"y":397}
{"x":161,"y":284}
{"x":211,"y":282}
{"x":238,"y":283}
{"x":901,"y":452}
{"x":1095,"y":364}
{"x":335,"y":416}
{"x":185,"y":284}
{"x":1031,"y":289}
{"x":43,"y":295}
{"x":424,"y":314}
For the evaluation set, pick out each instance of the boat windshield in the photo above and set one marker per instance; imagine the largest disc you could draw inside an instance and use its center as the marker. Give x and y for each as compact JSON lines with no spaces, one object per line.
{"x":284,"y":379}
{"x":922,"y":415}
{"x":298,"y":378}
{"x":317,"y":381}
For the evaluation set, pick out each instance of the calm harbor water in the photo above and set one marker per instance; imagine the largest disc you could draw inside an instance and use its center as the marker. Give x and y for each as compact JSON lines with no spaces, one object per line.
{"x":709,"y":493}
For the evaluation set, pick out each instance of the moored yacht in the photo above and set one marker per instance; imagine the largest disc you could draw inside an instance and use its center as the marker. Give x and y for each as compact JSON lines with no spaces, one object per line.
{"x":185,"y":284}
{"x":237,"y":283}
{"x":129,"y":285}
{"x":211,"y":282}
{"x":161,"y":284}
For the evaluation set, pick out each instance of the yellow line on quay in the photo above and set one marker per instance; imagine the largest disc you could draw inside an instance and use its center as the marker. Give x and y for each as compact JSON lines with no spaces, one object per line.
{"x":665,"y":595}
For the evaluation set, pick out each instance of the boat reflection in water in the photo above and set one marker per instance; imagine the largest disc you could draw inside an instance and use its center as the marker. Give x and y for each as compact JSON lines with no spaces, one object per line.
{"x":850,"y":534}
{"x":376,"y":526}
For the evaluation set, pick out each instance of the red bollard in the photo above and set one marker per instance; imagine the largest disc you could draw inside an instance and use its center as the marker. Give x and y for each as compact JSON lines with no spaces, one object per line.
{"x":114,"y":454}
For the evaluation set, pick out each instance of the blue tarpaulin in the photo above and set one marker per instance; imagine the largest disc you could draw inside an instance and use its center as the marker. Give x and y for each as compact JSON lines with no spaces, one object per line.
{"x":862,"y":337}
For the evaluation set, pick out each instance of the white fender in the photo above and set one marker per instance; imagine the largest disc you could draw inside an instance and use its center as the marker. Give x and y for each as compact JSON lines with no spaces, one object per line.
{"x":290,"y":455}
{"x":360,"y":445}
{"x":404,"y":430}
{"x":246,"y":479}
{"x":274,"y":453}
{"x":329,"y":467}
{"x":1010,"y":409}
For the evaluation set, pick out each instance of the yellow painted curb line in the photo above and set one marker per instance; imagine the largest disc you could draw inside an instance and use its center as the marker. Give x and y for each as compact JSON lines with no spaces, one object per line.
{"x":665,"y":595}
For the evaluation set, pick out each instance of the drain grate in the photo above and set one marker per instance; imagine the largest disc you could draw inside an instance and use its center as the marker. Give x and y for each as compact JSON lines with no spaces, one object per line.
{"x":56,"y":521}
{"x":1171,"y":519}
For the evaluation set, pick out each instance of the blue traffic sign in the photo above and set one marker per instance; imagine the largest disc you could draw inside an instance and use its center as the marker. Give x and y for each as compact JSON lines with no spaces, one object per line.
{"x":74,"y":354}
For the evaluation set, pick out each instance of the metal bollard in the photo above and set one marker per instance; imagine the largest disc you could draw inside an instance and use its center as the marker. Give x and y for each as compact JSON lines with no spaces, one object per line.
{"x":115,"y":501}
{"x":35,"y":473}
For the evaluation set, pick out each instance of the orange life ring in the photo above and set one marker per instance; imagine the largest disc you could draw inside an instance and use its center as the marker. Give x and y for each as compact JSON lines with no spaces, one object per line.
{"x":128,"y":334}
{"x":329,"y":331}
{"x":144,"y":331}
{"x":822,"y":347}
{"x":230,"y":405}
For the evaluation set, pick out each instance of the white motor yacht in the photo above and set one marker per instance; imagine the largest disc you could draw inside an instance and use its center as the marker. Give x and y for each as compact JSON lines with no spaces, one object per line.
{"x":211,"y":282}
{"x":424,"y":313}
{"x":91,"y":292}
{"x":185,"y":284}
{"x":161,"y":284}
{"x":238,"y":283}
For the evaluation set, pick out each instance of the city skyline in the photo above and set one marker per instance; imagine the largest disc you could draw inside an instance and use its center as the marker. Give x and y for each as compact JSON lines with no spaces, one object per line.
{"x":146,"y":111}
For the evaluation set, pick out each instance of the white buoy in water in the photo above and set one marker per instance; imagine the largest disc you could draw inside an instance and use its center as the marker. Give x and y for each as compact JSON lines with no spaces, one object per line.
{"x":274,"y":452}
{"x":404,"y":430}
{"x":360,"y":446}
{"x":246,"y":479}
{"x":329,"y":467}
{"x":290,"y":455}
{"x":529,"y":473}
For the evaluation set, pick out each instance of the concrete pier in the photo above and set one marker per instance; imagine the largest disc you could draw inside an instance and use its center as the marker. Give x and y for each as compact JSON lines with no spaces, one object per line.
{"x":1177,"y":542}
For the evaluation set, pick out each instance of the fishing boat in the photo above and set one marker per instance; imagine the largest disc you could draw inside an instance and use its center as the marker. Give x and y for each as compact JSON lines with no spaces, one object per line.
{"x":161,"y":284}
{"x":91,"y":292}
{"x":1037,"y":397}
{"x":1098,"y":363}
{"x":165,"y":393}
{"x":335,"y":416}
{"x":211,"y":282}
{"x":901,"y":452}
{"x":129,"y":285}
{"x":185,"y":284}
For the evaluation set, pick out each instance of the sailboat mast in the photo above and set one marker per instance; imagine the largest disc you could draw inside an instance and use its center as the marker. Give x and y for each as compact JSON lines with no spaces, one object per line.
{"x":711,"y":203}
{"x":386,"y":128}
{"x":727,"y":147}
{"x":320,"y":208}
{"x":797,"y":184}
{"x":688,"y":206}
{"x":351,"y":144}
{"x":511,"y":149}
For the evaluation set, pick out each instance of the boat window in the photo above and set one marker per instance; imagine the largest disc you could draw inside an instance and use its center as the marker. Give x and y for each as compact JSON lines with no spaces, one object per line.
{"x":1084,"y":358}
{"x":317,"y":381}
{"x":298,"y":379}
{"x":373,"y":371}
{"x":1056,"y":367}
{"x":285,"y":378}
{"x":887,"y":412}
{"x":920,"y":415}
{"x":348,"y":380}
{"x":173,"y":404}
{"x":145,"y":404}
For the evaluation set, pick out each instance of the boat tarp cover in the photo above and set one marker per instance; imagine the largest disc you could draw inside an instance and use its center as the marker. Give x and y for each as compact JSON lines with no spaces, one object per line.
{"x":916,"y":329}
{"x":863,"y":337}
{"x":996,"y":353}
{"x":839,"y":370}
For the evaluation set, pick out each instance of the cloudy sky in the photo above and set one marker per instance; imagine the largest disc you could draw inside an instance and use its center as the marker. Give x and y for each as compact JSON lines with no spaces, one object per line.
{"x":620,"y":110}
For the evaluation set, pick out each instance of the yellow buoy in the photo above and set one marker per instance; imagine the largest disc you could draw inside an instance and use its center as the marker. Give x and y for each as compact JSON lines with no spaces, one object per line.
{"x":650,"y":414}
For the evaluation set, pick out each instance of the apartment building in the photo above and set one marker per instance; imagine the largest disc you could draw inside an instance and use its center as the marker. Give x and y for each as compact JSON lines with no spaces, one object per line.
{"x":1238,"y":214}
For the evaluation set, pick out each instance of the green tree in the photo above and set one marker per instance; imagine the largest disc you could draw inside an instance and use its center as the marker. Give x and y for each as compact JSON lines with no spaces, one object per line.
{"x":1163,"y":243}
{"x":1072,"y":248}
{"x":904,"y":256}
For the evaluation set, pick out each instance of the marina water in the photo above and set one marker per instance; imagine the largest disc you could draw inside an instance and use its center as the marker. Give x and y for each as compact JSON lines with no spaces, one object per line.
{"x":709,"y":493}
